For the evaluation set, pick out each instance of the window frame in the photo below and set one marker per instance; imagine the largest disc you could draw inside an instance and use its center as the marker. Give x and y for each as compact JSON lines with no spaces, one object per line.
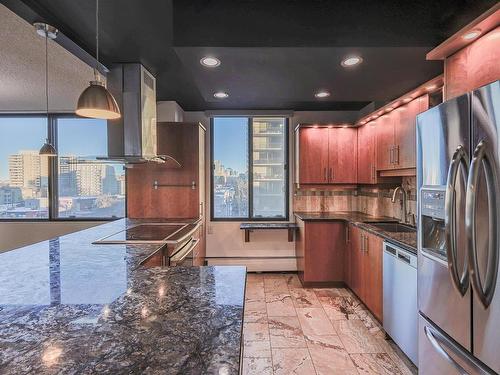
{"x":250,"y":173}
{"x":53,"y":173}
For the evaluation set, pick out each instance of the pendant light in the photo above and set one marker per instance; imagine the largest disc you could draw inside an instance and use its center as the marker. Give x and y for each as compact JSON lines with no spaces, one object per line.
{"x":96,"y":101}
{"x":46,"y":31}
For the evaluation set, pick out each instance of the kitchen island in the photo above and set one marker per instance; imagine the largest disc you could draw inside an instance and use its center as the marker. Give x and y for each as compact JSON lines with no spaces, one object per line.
{"x":70,"y":306}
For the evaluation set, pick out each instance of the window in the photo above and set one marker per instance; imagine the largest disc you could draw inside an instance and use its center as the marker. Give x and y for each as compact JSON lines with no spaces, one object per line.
{"x":249,"y":174}
{"x":87,"y":188}
{"x":74,"y":185}
{"x":23,"y":173}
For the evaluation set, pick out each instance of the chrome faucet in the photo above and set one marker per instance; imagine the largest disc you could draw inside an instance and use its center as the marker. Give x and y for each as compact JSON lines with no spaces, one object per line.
{"x":404,"y":202}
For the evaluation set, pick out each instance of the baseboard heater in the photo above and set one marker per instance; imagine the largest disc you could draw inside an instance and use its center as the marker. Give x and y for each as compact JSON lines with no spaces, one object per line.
{"x":256,"y":263}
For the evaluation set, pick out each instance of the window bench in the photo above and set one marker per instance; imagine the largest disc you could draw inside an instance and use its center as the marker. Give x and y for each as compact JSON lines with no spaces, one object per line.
{"x":248,"y":227}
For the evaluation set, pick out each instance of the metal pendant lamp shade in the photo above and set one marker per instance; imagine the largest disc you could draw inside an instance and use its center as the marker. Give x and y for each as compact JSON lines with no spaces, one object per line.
{"x":97,"y":102}
{"x":47,"y":149}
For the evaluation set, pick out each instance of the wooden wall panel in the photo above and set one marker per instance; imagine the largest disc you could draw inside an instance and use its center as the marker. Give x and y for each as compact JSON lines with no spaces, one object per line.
{"x":181,"y":141}
{"x":473,"y":66}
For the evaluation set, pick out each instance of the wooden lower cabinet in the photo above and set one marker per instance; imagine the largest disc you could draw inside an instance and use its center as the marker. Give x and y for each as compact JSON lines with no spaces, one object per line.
{"x":365,"y":262}
{"x":329,"y":253}
{"x":373,"y":275}
{"x":320,"y":248}
{"x":199,"y":252}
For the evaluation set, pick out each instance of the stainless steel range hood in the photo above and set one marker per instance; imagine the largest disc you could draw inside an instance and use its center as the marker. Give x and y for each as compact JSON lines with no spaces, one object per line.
{"x":132,"y":138}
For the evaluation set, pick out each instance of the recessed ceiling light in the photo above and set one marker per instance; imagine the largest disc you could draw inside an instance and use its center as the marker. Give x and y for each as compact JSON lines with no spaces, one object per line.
{"x":351,"y":61}
{"x":430,"y":87}
{"x":406,"y":100}
{"x":471,"y":34}
{"x":221,"y":95}
{"x":363,"y":122}
{"x":210,"y":61}
{"x":322,"y":94}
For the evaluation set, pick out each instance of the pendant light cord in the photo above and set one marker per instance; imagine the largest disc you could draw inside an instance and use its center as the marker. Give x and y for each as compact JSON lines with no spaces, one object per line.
{"x":97,"y":39}
{"x":46,"y":70}
{"x":47,"y":76}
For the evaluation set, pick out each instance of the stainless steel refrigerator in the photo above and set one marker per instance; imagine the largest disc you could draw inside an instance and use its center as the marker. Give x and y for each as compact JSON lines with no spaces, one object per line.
{"x":458,"y":174}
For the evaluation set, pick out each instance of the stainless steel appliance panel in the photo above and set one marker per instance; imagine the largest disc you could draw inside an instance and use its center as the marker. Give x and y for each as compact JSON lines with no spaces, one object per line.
{"x":439,"y":131}
{"x":440,"y":355}
{"x":443,"y":141}
{"x":400,"y":299}
{"x":483,"y":224}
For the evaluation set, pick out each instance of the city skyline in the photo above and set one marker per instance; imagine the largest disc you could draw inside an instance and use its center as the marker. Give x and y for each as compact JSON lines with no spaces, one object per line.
{"x":76,"y":136}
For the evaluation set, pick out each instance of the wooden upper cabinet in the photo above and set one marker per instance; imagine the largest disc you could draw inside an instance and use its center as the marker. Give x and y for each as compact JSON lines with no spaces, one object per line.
{"x":405,"y":132}
{"x":385,"y":142}
{"x":343,"y":144}
{"x":327,"y":155}
{"x":367,"y":173}
{"x":396,"y":136}
{"x":313,"y":155}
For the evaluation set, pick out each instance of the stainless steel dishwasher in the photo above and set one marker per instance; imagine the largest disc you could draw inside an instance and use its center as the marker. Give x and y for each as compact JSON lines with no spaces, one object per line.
{"x":400,"y":299}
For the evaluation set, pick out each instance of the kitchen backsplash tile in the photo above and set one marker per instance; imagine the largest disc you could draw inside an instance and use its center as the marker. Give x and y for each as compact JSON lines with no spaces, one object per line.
{"x":374,"y":200}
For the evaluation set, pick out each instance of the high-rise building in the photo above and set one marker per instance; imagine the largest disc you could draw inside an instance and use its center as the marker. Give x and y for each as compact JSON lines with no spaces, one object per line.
{"x":29,"y":171}
{"x":268,"y":161}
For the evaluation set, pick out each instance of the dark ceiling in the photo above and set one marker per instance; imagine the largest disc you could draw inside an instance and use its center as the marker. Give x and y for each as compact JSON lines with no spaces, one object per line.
{"x":275,"y":54}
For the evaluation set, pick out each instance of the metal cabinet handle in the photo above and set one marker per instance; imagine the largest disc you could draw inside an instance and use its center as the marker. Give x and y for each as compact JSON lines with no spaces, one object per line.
{"x":430,"y":333}
{"x":331,"y":173}
{"x":347,"y":239}
{"x":461,"y":281}
{"x":362,"y":242}
{"x":182,"y":254}
{"x":486,"y":292}
{"x":391,"y":154}
{"x":326,"y":176}
{"x":374,"y":173}
{"x":396,"y":154}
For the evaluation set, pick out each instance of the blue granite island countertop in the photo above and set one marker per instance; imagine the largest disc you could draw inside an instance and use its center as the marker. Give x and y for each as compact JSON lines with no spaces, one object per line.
{"x":70,"y":307}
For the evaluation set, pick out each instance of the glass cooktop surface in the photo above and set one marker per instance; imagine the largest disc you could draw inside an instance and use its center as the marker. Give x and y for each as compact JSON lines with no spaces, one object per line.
{"x":143,"y":233}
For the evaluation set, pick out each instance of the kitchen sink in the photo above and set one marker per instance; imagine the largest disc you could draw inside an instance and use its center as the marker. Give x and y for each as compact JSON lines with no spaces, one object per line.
{"x":394,"y":227}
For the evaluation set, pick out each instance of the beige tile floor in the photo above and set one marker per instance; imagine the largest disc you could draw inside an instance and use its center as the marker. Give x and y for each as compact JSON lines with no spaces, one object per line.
{"x":292,"y":330}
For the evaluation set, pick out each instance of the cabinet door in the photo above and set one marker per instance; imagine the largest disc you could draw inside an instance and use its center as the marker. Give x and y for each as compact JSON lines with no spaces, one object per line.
{"x":348,"y":254}
{"x":356,"y":265}
{"x":367,"y":173}
{"x":385,"y":142}
{"x":313,"y":155}
{"x":343,"y":144}
{"x":373,"y":271}
{"x":324,"y":251}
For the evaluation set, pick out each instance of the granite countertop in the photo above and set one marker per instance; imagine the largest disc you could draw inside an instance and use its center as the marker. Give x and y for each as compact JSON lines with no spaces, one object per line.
{"x":67,"y":306}
{"x":407,"y":240}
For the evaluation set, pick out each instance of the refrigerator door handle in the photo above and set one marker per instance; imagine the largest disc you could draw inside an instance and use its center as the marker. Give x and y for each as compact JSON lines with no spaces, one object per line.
{"x":461,"y":281}
{"x":486,"y":292}
{"x":431,"y":336}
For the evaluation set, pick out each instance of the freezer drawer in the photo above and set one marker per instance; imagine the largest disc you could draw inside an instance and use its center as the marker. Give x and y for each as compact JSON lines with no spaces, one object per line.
{"x":440,"y":355}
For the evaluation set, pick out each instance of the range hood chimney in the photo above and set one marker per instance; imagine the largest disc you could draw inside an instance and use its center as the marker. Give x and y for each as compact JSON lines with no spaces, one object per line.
{"x":132,"y":138}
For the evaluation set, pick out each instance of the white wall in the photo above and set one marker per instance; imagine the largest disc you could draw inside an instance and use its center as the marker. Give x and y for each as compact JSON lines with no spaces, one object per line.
{"x":267,"y":250}
{"x":14,"y":235}
{"x":22,"y":69}
{"x":169,"y":111}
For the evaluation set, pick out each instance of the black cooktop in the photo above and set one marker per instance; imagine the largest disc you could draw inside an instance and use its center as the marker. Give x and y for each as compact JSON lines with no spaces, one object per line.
{"x":144,"y":233}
